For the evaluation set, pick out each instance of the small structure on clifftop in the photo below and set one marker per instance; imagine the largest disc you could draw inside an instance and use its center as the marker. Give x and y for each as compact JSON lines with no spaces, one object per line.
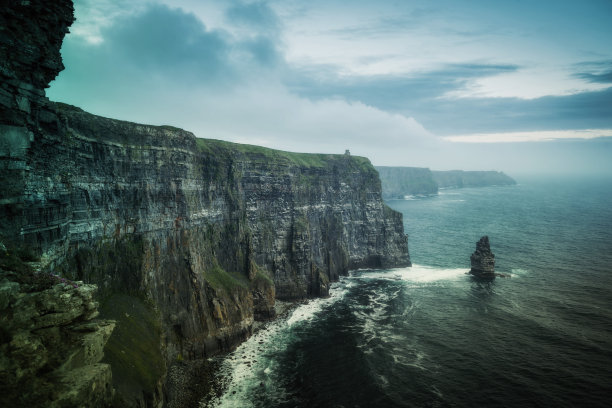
{"x":483,"y":260}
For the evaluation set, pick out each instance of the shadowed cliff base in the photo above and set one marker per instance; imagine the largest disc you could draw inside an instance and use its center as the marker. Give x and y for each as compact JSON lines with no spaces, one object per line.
{"x":189,"y":241}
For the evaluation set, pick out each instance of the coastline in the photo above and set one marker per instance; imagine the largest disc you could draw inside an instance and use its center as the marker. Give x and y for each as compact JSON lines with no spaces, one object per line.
{"x":201,"y":382}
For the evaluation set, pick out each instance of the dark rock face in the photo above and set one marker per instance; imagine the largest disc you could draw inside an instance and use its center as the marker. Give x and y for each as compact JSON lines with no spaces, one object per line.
{"x":31,"y":35}
{"x":483,"y":260}
{"x":196,"y":237}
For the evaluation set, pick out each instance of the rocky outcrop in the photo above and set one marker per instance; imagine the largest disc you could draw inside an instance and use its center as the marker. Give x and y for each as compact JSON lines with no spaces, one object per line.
{"x":483,"y":260}
{"x":189,"y":240}
{"x":51,"y":346}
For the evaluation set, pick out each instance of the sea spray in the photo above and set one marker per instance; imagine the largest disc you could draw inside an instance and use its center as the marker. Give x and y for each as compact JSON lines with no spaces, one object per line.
{"x":252,"y":368}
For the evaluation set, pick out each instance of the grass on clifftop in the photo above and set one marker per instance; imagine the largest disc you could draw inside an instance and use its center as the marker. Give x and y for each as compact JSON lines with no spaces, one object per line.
{"x":213,"y":146}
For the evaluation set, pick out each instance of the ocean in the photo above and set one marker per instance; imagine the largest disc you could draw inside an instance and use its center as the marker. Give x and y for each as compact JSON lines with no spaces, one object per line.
{"x":432,"y":336}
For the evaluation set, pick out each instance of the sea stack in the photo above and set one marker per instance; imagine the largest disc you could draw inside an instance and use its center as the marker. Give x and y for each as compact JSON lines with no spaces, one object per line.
{"x":483,"y":260}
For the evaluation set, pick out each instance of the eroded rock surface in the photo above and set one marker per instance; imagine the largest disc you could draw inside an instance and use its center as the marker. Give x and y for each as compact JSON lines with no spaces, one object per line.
{"x":51,"y":346}
{"x":483,"y":260}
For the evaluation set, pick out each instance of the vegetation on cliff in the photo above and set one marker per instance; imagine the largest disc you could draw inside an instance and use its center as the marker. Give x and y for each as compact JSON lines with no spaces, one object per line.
{"x":51,"y":343}
{"x":272,"y":156}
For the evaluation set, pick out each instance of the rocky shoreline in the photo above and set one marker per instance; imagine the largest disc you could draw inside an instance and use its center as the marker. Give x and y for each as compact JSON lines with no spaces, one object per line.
{"x":198,"y":383}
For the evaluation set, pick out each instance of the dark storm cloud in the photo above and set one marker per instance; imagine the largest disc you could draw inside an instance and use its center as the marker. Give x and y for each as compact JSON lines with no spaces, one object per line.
{"x":587,"y":110}
{"x":166,"y":40}
{"x":393,"y":91}
{"x":165,"y":43}
{"x":263,"y":50}
{"x":422,"y":96}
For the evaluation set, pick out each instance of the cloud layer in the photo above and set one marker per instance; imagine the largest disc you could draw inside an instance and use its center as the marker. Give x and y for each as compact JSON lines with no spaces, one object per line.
{"x":393,"y":81}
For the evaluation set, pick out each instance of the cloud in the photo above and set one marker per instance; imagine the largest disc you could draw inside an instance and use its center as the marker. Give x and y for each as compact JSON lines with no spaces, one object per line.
{"x":423,"y":96}
{"x":393,"y":92}
{"x":603,"y":78}
{"x":536,"y":136}
{"x":363,"y":77}
{"x":267,"y":114}
{"x":258,"y":16}
{"x":95,"y":15}
{"x":153,"y":43}
{"x":170,"y":41}
{"x":527,"y":83}
{"x":598,"y":71}
{"x":587,"y":110}
{"x":162,"y":65}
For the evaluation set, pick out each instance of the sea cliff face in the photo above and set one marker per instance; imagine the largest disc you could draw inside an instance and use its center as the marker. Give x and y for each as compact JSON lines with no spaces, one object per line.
{"x":188,"y":240}
{"x":398,"y":182}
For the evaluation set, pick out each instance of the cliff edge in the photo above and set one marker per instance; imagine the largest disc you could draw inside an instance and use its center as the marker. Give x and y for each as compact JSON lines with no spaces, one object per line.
{"x":188,"y":240}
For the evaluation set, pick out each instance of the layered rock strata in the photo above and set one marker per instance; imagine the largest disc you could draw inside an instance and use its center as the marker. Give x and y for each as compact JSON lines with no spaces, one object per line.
{"x":189,"y":240}
{"x":483,"y":260}
{"x":51,"y":346}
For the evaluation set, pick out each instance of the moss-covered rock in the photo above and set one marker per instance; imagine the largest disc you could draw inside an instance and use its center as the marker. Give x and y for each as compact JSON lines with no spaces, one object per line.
{"x":51,"y":346}
{"x":134,"y":351}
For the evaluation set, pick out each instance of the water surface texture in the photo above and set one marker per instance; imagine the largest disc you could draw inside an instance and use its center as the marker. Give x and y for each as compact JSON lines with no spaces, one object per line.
{"x":432,"y":336}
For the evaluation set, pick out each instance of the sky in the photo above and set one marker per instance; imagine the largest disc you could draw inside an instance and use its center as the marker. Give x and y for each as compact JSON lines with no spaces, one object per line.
{"x":517,"y":86}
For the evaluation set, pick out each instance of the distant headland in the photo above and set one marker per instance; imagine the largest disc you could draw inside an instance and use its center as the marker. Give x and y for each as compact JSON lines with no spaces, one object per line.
{"x":398,"y":182}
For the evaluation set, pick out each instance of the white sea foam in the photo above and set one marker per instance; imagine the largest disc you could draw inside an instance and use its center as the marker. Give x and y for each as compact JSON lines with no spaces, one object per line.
{"x":252,"y":363}
{"x":308,"y":311}
{"x":415,"y":273}
{"x":411,"y":197}
{"x":516,"y":273}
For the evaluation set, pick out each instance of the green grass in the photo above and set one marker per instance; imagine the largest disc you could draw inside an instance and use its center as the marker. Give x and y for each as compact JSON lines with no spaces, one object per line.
{"x":134,"y":348}
{"x":220,"y":279}
{"x":171,"y":128}
{"x":261,"y":276}
{"x":264,"y":154}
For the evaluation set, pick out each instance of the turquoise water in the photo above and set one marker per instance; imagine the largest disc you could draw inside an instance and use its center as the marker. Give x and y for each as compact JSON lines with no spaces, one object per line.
{"x":431,"y":336}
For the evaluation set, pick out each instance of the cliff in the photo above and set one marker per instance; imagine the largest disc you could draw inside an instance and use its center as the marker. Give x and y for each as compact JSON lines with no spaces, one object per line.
{"x":398,"y":182}
{"x":50,"y":343}
{"x":188,"y":240}
{"x":460,"y":178}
